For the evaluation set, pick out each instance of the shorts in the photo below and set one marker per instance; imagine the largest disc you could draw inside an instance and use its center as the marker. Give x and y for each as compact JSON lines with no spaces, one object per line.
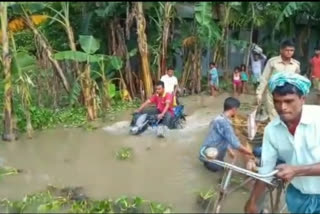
{"x":256,"y":77}
{"x":237,"y":82}
{"x":316,"y":84}
{"x":214,"y":82}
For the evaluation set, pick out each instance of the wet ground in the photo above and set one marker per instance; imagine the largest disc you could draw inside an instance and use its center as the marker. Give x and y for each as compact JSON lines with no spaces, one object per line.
{"x":164,"y":170}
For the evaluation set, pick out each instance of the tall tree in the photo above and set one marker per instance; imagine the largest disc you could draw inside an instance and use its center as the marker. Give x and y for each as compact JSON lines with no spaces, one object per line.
{"x":8,"y":132}
{"x":143,"y":48}
{"x":167,"y":18}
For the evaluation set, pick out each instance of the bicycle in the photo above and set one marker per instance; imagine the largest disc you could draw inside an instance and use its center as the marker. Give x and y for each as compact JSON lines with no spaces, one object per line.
{"x":272,"y":184}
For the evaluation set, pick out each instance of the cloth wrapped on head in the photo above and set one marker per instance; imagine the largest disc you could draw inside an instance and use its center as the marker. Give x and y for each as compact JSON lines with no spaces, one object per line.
{"x":281,"y":78}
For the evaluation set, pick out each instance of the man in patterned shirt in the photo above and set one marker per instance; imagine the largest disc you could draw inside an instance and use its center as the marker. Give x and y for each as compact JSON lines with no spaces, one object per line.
{"x":221,"y":134}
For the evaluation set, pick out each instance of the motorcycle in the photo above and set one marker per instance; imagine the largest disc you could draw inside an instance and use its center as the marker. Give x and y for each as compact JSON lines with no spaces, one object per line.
{"x":141,"y":122}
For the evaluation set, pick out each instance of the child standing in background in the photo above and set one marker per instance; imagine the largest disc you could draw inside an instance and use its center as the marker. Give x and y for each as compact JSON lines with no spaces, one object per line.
{"x":244,"y":78}
{"x":214,"y":79}
{"x":236,"y":80}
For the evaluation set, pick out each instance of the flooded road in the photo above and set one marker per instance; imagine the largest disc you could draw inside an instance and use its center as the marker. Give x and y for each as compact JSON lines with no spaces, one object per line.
{"x":164,"y":170}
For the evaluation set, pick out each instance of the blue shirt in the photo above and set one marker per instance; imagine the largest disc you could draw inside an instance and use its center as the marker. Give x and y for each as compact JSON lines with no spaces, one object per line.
{"x":301,"y":149}
{"x":214,"y":73}
{"x":221,"y":135}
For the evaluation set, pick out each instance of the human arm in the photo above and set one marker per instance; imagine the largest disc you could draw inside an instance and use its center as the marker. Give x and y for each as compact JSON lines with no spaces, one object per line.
{"x":233,"y":140}
{"x":176,"y":87}
{"x":257,"y":191}
{"x":288,"y":172}
{"x":251,"y":57}
{"x":298,"y":71}
{"x":168,"y":102}
{"x":264,"y":81}
{"x":231,"y":153}
{"x":145,"y":104}
{"x":269,"y":158}
{"x":311,"y":68}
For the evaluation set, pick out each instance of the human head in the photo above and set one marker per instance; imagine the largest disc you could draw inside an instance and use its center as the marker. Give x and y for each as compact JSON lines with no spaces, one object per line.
{"x":289,"y":91}
{"x":256,"y":57}
{"x":237,"y":69}
{"x":212,"y":65}
{"x":287,"y":49}
{"x":160,"y":87}
{"x":231,"y":106}
{"x":170,"y":71}
{"x":243,"y":67}
{"x":317,"y":51}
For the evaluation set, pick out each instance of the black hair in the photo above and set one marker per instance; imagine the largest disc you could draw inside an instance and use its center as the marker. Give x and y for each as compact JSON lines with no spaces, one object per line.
{"x":286,"y":89}
{"x":317,"y":48}
{"x":287,"y":43}
{"x":160,"y":83}
{"x":237,"y":68}
{"x":170,"y":68}
{"x":243,"y":65}
{"x":231,"y":103}
{"x":212,"y":63}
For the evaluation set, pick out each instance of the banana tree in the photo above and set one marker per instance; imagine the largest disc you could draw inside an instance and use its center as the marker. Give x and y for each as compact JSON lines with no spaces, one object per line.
{"x":248,"y":15}
{"x":90,"y":46}
{"x":8,"y":132}
{"x":64,"y":19}
{"x":208,"y":33}
{"x":25,"y":10}
{"x":23,"y":66}
{"x":290,"y":9}
{"x":111,"y":13}
{"x":143,"y":48}
{"x":165,"y":15}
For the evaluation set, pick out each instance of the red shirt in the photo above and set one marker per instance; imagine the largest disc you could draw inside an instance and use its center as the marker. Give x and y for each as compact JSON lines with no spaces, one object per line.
{"x":160,"y":102}
{"x":315,"y":62}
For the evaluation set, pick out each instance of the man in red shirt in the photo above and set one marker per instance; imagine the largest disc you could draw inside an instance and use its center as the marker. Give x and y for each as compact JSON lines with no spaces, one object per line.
{"x":164,"y":105}
{"x":315,"y":71}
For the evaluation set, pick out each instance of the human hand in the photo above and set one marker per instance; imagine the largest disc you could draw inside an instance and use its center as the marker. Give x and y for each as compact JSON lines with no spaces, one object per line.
{"x":286,"y":172}
{"x":137,"y":111}
{"x":231,"y":153}
{"x":160,"y":116}
{"x":258,"y":99}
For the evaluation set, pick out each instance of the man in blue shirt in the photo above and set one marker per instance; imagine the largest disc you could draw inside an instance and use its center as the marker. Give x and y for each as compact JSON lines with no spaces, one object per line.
{"x":221,"y":134}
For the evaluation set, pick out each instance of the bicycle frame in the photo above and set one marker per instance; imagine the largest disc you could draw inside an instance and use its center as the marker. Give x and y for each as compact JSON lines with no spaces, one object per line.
{"x":266,"y":178}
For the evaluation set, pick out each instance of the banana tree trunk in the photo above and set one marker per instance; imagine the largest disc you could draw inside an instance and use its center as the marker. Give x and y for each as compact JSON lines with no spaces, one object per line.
{"x":49,"y":54}
{"x":8,"y":132}
{"x":143,"y":48}
{"x":127,"y":78}
{"x":29,"y":124}
{"x":224,"y":33}
{"x":198,"y":53}
{"x":251,"y":36}
{"x":72,"y":45}
{"x":165,"y":39}
{"x":186,"y":69}
{"x":249,"y":46}
{"x":88,"y":93}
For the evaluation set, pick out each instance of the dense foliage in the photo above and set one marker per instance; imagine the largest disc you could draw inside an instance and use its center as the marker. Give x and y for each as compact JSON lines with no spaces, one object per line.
{"x":72,"y":62}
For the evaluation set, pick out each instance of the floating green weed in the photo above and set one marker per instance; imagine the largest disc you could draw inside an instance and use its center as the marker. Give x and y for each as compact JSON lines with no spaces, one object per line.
{"x":124,"y":153}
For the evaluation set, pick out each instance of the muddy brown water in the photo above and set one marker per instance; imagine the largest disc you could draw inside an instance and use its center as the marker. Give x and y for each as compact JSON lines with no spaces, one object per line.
{"x":164,"y":170}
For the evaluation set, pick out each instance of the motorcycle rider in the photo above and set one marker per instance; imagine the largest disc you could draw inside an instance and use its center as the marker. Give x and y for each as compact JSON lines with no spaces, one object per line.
{"x":164,"y":106}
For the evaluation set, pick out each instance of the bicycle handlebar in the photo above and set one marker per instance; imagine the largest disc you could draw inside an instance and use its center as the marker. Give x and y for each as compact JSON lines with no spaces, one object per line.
{"x":258,"y":176}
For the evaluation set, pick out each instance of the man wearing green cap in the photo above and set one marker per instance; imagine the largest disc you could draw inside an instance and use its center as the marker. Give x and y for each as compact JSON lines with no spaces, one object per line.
{"x":293,"y":136}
